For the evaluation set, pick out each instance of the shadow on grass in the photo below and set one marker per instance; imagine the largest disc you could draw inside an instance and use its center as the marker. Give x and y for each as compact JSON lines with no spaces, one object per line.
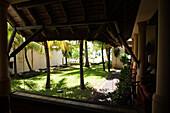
{"x":88,"y":72}
{"x":68,"y":92}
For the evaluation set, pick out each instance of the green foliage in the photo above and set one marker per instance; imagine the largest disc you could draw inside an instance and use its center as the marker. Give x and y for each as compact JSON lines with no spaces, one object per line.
{"x":123,"y":58}
{"x":36,"y":46}
{"x":66,"y":79}
{"x":116,"y":51}
{"x":106,"y":64}
{"x":122,"y":95}
{"x":9,"y":32}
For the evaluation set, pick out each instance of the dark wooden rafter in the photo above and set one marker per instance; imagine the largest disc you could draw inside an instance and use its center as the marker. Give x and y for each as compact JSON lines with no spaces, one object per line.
{"x":113,"y":34}
{"x":11,"y":41}
{"x":96,"y":22}
{"x":25,"y":21}
{"x":35,"y":18}
{"x":24,"y":44}
{"x":47,"y":13}
{"x":96,"y":33}
{"x":84,"y":13}
{"x":123,"y":41}
{"x":14,"y":24}
{"x":51,"y":20}
{"x":31,"y":4}
{"x":105,"y":9}
{"x":16,"y":1}
{"x":101,"y":27}
{"x":63,"y":8}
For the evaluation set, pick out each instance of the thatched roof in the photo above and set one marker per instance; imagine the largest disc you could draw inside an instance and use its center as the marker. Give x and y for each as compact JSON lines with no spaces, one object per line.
{"x":74,"y":19}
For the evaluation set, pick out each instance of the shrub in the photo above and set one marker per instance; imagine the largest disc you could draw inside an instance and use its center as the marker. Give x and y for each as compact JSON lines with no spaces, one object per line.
{"x":124,"y":58}
{"x":122,"y":95}
{"x":116,"y":51}
{"x":106,"y":64}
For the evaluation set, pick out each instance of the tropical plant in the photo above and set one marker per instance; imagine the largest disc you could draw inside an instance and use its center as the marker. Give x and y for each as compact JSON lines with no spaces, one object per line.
{"x":116,"y":51}
{"x":122,"y":95}
{"x":97,"y":46}
{"x":123,"y":58}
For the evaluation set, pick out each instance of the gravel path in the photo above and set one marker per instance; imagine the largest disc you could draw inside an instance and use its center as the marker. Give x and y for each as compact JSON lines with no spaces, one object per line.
{"x":109,"y":86}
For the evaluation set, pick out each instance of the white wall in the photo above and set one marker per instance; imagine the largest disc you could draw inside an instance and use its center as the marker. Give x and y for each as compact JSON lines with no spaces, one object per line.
{"x":36,"y":59}
{"x":116,"y":63}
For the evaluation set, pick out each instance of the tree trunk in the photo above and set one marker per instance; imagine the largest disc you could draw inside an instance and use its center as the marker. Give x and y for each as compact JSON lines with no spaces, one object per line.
{"x":103,"y":58}
{"x":66,"y":57}
{"x":108,"y":57}
{"x":48,"y":64}
{"x":81,"y":66}
{"x":86,"y":51}
{"x":15,"y":62}
{"x":26,"y":58}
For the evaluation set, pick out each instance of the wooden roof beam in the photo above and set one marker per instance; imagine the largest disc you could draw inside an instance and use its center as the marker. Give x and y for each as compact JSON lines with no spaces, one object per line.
{"x":85,"y":16}
{"x":31,"y":4}
{"x":105,"y":9}
{"x":51,"y":20}
{"x":14,"y":24}
{"x":34,"y":17}
{"x":66,"y":16}
{"x":25,"y":21}
{"x":24,"y":44}
{"x":16,"y":1}
{"x":123,"y":41}
{"x":81,"y":23}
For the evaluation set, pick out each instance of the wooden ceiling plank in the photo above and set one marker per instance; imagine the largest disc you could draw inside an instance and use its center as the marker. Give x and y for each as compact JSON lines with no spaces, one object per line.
{"x":25,"y":21}
{"x":51,"y":20}
{"x":34,"y":17}
{"x":16,"y":1}
{"x":31,"y":4}
{"x":85,"y":16}
{"x":105,"y":9}
{"x":14,"y":24}
{"x":47,"y":13}
{"x":63,"y":8}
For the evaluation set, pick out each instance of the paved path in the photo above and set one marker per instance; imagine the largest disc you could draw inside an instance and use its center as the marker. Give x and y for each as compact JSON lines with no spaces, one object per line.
{"x":109,"y":86}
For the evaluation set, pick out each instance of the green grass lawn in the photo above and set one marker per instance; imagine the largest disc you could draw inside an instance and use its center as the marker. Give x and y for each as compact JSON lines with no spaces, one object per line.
{"x":66,"y":79}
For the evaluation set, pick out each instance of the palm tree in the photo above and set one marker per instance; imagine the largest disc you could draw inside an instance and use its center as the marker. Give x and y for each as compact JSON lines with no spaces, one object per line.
{"x":33,"y":46}
{"x":81,"y":66}
{"x":99,"y":45}
{"x":108,"y":56}
{"x":86,"y":51}
{"x":48,"y":64}
{"x":103,"y":58}
{"x":65,"y":47}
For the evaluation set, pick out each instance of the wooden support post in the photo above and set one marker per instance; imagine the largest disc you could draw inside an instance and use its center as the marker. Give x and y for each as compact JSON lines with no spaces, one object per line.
{"x":81,"y":66}
{"x":24,"y":44}
{"x":11,"y":41}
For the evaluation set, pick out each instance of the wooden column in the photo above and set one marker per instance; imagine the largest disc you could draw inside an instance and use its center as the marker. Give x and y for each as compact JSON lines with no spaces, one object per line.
{"x":161,"y":98}
{"x":5,"y":81}
{"x":141,"y":49}
{"x":135,"y":49}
